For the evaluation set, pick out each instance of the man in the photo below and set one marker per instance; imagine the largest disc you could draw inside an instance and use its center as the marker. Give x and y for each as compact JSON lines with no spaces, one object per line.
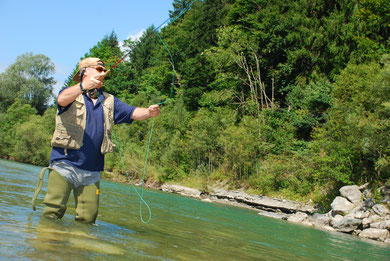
{"x":81,"y":138}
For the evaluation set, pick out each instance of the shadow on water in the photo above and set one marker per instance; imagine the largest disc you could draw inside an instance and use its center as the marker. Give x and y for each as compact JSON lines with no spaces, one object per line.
{"x":180,"y":229}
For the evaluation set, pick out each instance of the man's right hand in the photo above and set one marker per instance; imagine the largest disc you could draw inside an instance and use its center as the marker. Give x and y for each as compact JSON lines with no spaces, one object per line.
{"x":92,"y":82}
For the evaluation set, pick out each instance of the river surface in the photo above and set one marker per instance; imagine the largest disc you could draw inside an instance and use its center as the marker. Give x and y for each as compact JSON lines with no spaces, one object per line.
{"x":181,"y":228}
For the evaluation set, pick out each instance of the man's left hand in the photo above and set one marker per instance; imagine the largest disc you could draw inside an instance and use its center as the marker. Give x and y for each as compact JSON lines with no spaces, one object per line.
{"x":154,"y":110}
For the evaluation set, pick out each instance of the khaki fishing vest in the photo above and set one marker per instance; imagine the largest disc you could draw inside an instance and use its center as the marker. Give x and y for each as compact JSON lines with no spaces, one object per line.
{"x":70,"y":125}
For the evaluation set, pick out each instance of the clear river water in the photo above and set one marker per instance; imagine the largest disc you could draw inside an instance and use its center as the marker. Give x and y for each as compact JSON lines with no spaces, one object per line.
{"x":181,"y":228}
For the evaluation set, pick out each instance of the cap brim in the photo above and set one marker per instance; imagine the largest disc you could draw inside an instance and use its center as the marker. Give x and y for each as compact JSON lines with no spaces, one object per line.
{"x":76,"y":76}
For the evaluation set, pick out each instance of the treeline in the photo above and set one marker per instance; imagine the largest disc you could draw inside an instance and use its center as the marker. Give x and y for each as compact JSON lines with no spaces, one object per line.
{"x":287,"y":98}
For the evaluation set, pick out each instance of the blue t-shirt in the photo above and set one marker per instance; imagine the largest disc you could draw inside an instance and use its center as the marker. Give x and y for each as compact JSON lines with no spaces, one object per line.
{"x":89,"y":157}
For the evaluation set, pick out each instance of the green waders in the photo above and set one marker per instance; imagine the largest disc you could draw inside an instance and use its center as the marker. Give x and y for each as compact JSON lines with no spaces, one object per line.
{"x":87,"y":202}
{"x":58,"y":191}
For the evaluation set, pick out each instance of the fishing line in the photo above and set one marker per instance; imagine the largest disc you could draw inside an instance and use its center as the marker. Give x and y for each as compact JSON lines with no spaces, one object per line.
{"x":156,"y":30}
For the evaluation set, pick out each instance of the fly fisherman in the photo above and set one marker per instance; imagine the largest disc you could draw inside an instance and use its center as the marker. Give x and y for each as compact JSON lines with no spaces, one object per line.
{"x":81,"y":138}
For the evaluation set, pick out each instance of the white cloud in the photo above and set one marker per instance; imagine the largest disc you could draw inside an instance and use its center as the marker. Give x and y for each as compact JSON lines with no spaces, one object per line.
{"x":133,"y":37}
{"x":136,"y":36}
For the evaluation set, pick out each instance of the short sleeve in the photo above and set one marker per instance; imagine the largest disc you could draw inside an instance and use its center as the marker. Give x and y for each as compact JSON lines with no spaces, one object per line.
{"x":122,"y":112}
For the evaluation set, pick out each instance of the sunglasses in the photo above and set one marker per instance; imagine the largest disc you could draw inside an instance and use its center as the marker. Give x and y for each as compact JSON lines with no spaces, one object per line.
{"x":99,"y":69}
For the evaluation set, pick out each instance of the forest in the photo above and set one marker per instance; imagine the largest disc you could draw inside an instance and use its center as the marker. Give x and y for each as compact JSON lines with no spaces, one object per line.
{"x":281,"y":98}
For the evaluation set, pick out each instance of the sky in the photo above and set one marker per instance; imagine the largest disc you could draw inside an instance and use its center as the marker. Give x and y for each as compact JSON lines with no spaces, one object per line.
{"x":64,"y":31}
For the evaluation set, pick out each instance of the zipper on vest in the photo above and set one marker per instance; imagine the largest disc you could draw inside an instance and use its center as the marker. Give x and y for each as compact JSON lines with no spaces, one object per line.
{"x":66,"y":151}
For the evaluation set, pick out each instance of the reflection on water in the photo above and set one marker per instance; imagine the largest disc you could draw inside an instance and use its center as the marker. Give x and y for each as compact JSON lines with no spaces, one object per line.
{"x":181,"y":229}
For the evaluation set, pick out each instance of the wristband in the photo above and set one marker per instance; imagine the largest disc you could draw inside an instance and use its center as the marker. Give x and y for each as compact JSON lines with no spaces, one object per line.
{"x":82,"y":89}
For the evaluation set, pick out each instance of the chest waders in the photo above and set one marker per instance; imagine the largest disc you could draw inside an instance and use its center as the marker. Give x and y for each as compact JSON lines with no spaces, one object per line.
{"x":58,"y":191}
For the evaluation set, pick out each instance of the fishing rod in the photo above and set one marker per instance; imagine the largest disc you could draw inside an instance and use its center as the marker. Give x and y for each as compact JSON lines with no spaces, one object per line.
{"x":166,"y":22}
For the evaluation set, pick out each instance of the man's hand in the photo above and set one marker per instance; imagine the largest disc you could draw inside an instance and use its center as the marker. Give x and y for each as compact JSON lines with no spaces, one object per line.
{"x":140,"y":114}
{"x":154,"y":110}
{"x":92,"y":82}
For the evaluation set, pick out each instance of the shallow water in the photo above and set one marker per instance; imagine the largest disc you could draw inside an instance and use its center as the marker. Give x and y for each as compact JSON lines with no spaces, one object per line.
{"x":181,"y":228}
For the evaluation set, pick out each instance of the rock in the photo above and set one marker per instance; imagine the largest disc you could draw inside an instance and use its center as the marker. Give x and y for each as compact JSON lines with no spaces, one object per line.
{"x":382,"y":225}
{"x":385,"y":224}
{"x":352,"y":193}
{"x":371,"y":219}
{"x":277,"y":215}
{"x":347,"y":224}
{"x":375,"y":233}
{"x":367,"y":194}
{"x":364,"y":186}
{"x":206,"y":200}
{"x":329,"y":228}
{"x":335,"y":219}
{"x":375,"y":225}
{"x":190,"y":192}
{"x":321,"y":220}
{"x":360,"y":214}
{"x":262,"y":202}
{"x":381,"y":210}
{"x":368,"y":203}
{"x":341,"y":206}
{"x":298,"y":217}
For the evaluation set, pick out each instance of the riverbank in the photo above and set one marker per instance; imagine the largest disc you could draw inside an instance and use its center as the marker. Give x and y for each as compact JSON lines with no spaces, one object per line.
{"x":354,"y":212}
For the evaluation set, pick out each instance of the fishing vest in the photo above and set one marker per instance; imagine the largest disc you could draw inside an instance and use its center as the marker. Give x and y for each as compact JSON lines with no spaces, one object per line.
{"x":70,"y":125}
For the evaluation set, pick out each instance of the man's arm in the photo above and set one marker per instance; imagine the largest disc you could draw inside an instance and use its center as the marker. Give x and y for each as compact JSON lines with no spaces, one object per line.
{"x":140,"y":114}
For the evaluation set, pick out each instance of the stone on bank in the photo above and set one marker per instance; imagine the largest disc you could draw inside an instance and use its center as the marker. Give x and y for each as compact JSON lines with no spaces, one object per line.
{"x":354,"y":212}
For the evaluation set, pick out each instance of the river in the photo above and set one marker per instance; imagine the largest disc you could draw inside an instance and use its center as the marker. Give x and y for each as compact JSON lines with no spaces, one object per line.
{"x":181,"y":228}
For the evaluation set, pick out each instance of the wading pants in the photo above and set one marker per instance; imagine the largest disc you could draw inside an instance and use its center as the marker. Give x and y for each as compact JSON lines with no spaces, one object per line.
{"x":58,"y":191}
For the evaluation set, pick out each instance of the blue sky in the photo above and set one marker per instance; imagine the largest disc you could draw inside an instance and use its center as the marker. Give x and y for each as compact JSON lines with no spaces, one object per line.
{"x":66,"y":30}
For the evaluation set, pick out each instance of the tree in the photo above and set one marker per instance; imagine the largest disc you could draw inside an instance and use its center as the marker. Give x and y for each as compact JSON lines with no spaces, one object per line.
{"x":109,"y":52}
{"x":353,"y":145}
{"x":28,"y":79}
{"x":16,"y":114}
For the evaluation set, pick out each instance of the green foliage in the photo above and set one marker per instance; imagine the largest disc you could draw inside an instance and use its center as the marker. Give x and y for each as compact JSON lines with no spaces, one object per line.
{"x":308,"y":105}
{"x":352,"y":146}
{"x":29,"y":80}
{"x":33,"y":142}
{"x":25,"y":135}
{"x":287,"y":174}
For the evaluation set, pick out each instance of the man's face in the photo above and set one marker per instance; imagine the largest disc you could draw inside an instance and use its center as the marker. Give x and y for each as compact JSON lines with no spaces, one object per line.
{"x":96,"y":70}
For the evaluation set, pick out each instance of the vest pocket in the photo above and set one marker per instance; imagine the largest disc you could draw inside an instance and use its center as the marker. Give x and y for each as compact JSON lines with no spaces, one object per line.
{"x":107,"y":145}
{"x":68,"y":136}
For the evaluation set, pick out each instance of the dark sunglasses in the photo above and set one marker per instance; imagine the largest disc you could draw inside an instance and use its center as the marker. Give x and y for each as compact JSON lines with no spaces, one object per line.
{"x":99,"y":69}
